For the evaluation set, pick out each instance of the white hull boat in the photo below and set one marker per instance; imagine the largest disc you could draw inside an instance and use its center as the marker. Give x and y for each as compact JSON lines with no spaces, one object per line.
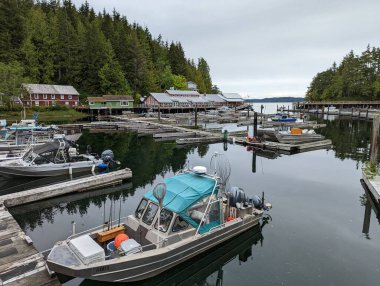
{"x":194,"y":216}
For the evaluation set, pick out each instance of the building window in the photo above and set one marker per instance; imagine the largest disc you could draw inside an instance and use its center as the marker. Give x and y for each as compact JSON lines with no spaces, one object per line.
{"x":44,"y":96}
{"x":53,"y":103}
{"x":67,"y":103}
{"x":62,"y":96}
{"x":124,"y":103}
{"x":92,"y":103}
{"x":36,"y":103}
{"x":70,"y":97}
{"x":53,"y":96}
{"x":36,"y":96}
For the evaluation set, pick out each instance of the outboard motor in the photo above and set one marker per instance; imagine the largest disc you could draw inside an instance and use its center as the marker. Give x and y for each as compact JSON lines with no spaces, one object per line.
{"x":107,"y":156}
{"x":237,"y":195}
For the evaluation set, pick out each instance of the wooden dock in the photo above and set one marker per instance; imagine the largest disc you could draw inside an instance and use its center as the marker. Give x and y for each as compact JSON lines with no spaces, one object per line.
{"x":291,"y":148}
{"x":20,"y":263}
{"x":373,"y":186}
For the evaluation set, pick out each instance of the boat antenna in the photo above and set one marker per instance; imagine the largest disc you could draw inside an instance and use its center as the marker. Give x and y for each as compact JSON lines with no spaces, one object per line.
{"x":104,"y":212}
{"x":159,"y":193}
{"x":222,"y":169}
{"x":110,"y":217}
{"x":119,"y":210}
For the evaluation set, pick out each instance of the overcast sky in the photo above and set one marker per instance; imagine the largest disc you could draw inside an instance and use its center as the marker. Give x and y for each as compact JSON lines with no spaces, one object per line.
{"x":259,"y":48}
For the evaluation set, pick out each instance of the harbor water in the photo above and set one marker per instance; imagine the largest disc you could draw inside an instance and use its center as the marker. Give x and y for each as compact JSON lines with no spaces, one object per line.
{"x":316,"y":233}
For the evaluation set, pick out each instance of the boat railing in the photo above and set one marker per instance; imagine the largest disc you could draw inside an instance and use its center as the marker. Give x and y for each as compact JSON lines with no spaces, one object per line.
{"x":210,"y":201}
{"x":93,"y":229}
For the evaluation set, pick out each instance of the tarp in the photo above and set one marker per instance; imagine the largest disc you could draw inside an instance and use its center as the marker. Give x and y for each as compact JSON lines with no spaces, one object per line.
{"x":184,"y":190}
{"x":51,"y":146}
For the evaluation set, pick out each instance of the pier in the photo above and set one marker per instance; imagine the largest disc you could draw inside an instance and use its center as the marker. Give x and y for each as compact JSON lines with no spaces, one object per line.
{"x":20,"y":263}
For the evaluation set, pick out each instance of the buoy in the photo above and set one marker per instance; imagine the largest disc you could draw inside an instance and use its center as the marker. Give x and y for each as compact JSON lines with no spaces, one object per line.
{"x":120,"y":238}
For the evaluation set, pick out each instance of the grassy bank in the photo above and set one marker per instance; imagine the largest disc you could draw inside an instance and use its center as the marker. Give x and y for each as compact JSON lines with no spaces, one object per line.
{"x":45,"y":115}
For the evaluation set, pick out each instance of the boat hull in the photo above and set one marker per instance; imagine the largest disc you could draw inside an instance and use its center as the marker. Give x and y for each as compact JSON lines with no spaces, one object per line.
{"x":140,"y":266}
{"x":46,"y":170}
{"x":284,"y":120}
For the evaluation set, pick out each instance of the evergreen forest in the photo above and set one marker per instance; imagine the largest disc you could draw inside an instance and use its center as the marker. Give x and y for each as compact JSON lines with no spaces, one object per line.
{"x":357,"y":77}
{"x":54,"y":42}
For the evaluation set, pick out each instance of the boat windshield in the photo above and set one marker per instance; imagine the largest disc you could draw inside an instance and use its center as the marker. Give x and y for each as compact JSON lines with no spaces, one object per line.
{"x":179,"y":224}
{"x":29,"y":156}
{"x":140,"y":209}
{"x":150,"y":213}
{"x":165,"y":220}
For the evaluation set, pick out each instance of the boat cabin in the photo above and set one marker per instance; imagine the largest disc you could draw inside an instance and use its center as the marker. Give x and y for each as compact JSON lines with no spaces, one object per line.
{"x":190,"y":206}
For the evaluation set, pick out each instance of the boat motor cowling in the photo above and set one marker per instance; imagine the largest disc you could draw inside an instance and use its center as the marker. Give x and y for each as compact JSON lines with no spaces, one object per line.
{"x":237,"y":196}
{"x":107,"y":156}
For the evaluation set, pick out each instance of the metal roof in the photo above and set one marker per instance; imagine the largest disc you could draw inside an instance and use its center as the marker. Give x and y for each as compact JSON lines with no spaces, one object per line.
{"x":118,"y":97}
{"x":214,"y":98}
{"x":182,"y":99}
{"x":196,"y":99}
{"x":50,"y":89}
{"x":233,"y":97}
{"x":182,"y":92}
{"x":161,"y":97}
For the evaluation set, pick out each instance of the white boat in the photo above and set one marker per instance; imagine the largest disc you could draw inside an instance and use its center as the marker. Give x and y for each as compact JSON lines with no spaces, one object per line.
{"x":30,"y":124}
{"x":169,"y":227}
{"x":54,"y":158}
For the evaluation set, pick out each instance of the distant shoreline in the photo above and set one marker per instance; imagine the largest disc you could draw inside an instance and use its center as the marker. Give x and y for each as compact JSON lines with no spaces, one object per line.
{"x":275,"y":99}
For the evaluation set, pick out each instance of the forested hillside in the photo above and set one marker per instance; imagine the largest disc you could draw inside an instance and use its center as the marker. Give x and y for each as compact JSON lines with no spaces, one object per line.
{"x":356,"y":78}
{"x":55,"y":42}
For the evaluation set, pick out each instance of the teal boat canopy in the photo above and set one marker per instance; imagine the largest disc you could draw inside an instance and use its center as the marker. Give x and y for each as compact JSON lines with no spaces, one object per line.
{"x":184,"y":190}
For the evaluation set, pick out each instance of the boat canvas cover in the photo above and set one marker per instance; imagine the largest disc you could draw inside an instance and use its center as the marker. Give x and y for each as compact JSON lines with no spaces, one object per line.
{"x":183,"y":191}
{"x":51,"y":146}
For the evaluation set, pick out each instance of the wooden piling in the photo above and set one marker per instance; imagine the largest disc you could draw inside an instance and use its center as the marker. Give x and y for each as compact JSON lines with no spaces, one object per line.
{"x":254,"y":124}
{"x":254,"y":161}
{"x":375,"y":134}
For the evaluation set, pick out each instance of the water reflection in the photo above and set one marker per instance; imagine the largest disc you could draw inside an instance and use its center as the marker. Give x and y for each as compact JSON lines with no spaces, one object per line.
{"x":207,"y":268}
{"x":145,"y":157}
{"x":350,"y":138}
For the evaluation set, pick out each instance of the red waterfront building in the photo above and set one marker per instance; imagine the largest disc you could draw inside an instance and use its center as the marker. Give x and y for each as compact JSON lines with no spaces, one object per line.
{"x":49,"y":95}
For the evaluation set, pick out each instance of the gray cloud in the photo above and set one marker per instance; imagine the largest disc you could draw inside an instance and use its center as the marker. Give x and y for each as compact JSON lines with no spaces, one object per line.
{"x":259,"y":48}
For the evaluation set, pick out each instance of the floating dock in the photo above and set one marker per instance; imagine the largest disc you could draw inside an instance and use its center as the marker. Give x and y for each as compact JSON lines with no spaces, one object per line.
{"x":291,"y":148}
{"x":20,"y":263}
{"x":372,"y":185}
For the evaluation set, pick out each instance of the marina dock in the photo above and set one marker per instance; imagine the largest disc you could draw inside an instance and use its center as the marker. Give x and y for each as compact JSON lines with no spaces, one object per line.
{"x":20,"y":262}
{"x":372,"y":185}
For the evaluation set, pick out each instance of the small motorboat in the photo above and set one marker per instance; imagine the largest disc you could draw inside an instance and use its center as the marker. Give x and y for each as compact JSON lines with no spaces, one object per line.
{"x":283,"y":117}
{"x":297,"y":135}
{"x":57,"y":157}
{"x":30,"y":124}
{"x":186,"y":216}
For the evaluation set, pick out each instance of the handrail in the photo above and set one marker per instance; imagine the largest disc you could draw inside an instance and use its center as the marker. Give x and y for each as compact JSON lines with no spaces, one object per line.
{"x":208,"y":204}
{"x":91,"y":229}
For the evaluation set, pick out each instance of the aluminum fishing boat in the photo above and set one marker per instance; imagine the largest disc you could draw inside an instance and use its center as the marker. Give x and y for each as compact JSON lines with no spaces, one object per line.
{"x":187,"y":215}
{"x":54,"y":158}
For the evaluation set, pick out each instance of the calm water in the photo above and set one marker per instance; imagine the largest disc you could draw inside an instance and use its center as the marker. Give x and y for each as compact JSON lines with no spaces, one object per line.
{"x":315,"y":237}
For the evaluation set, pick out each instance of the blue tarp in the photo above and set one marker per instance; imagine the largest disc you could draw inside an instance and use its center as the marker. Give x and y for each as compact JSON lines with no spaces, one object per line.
{"x":184,"y":190}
